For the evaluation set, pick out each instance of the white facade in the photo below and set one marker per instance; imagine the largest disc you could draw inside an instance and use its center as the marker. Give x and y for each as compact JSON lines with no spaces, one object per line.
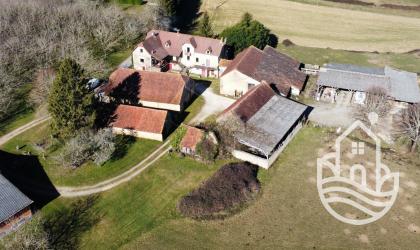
{"x":142,"y":60}
{"x":235,"y":83}
{"x":198,"y":63}
{"x":140,"y":134}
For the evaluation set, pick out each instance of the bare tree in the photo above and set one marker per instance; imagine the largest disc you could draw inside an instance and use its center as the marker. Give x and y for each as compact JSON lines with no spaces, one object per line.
{"x":35,"y":34}
{"x":409,"y":125}
{"x":377,"y":101}
{"x":31,"y":236}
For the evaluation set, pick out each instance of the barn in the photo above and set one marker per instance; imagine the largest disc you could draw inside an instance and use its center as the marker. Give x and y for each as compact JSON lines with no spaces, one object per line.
{"x":352,"y":82}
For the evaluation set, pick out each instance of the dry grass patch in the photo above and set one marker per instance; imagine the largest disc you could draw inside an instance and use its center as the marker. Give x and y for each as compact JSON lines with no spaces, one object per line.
{"x":323,"y":26}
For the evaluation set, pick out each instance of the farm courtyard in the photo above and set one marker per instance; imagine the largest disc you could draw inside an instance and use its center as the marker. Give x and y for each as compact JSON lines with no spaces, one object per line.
{"x":308,"y":24}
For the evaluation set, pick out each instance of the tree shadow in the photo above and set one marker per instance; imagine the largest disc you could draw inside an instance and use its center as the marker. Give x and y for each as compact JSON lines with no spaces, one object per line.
{"x":122,"y":144}
{"x":28,"y":175}
{"x":66,"y":226}
{"x":273,"y":40}
{"x":128,"y":91}
{"x":188,"y":12}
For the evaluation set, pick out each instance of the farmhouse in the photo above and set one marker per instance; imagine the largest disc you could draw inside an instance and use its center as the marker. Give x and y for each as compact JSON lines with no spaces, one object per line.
{"x":141,"y":122}
{"x":14,"y":207}
{"x":263,"y":122}
{"x":253,"y":65}
{"x":337,"y":80}
{"x":163,"y":50}
{"x":159,"y":90}
{"x":189,"y":142}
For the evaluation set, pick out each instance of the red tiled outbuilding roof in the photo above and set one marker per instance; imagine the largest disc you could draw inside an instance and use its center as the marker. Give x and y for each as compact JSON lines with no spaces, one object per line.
{"x":161,"y":87}
{"x":192,"y":137}
{"x":139,"y":119}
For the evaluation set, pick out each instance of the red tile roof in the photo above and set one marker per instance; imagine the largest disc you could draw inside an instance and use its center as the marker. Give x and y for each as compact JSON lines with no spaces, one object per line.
{"x":152,"y":86}
{"x":246,"y":106}
{"x":156,"y":40}
{"x":139,"y":119}
{"x":118,"y":77}
{"x":269,"y":65}
{"x":192,"y":137}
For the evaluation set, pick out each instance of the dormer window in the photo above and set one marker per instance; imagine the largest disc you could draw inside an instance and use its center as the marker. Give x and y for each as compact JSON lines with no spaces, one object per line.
{"x":167,"y":44}
{"x":208,"y":51}
{"x":154,"y":51}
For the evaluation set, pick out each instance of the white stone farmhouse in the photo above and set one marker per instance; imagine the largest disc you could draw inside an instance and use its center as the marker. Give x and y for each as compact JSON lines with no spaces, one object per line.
{"x":252,"y":66}
{"x":163,"y":51}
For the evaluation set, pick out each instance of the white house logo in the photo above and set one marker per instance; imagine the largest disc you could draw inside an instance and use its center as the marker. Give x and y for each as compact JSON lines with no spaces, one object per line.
{"x":362,"y":190}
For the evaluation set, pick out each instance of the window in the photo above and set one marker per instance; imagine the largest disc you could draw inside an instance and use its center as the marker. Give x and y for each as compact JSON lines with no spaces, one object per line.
{"x":188,"y":58}
{"x":250,"y":85}
{"x":142,"y":60}
{"x":358,"y":148}
{"x":141,"y":50}
{"x":188,"y":49}
{"x":197,"y":60}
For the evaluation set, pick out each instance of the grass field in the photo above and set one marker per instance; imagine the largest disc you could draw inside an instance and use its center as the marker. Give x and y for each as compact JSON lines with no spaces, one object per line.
{"x":138,"y":206}
{"x":406,"y":61}
{"x":322,"y":26}
{"x":287,"y":214}
{"x":87,"y":174}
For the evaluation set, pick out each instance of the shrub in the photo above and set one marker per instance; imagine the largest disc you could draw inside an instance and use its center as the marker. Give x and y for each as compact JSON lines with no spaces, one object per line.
{"x":207,"y":150}
{"x":227,"y":190}
{"x":177,"y":138}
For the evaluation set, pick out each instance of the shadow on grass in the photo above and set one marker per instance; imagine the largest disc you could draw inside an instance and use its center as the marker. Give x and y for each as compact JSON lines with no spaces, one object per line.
{"x":66,"y":226}
{"x":28,"y":175}
{"x":122,"y":144}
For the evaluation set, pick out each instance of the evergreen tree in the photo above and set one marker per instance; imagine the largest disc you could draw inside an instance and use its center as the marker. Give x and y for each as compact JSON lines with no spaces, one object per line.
{"x":70,"y":103}
{"x":205,"y":27}
{"x":246,"y":33}
{"x":169,"y":6}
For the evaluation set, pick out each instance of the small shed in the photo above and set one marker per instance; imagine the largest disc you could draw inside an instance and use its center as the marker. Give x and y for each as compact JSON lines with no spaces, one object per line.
{"x":14,"y":207}
{"x":189,"y":142}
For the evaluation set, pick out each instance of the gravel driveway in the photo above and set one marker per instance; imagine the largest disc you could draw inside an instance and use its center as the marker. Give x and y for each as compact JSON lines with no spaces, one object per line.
{"x":214,"y":104}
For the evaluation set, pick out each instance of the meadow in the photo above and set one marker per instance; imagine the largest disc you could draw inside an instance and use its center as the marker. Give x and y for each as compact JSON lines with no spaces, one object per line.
{"x":321,"y":26}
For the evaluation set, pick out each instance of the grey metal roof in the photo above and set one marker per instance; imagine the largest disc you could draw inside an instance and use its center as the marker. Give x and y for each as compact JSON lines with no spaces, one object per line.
{"x":12,"y":200}
{"x":355,"y":68}
{"x":401,"y":85}
{"x":267,"y":127}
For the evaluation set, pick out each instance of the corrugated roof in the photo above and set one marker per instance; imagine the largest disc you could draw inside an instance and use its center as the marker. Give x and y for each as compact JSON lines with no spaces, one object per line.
{"x":269,"y":65}
{"x":139,"y":119}
{"x":12,"y":200}
{"x":266,"y":116}
{"x":400,"y":85}
{"x":161,"y":43}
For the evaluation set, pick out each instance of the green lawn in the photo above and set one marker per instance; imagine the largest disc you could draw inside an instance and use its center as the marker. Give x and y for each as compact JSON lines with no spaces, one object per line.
{"x":287,"y":213}
{"x":116,"y":58}
{"x":16,"y":121}
{"x":406,"y":61}
{"x":87,"y":174}
{"x":141,"y":205}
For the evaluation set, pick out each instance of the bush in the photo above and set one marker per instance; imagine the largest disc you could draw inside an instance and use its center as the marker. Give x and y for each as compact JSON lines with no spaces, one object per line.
{"x":88,"y":145}
{"x":177,"y":138}
{"x":207,"y":150}
{"x":232,"y":186}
